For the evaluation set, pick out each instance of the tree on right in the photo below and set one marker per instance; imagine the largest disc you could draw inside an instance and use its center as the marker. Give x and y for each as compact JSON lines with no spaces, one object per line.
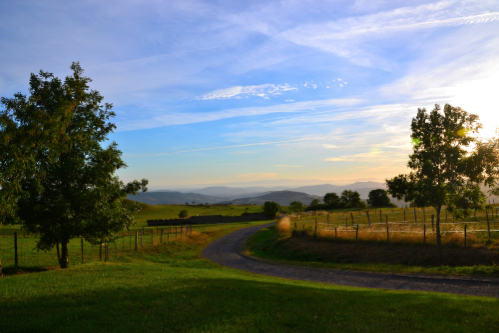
{"x":447,"y":161}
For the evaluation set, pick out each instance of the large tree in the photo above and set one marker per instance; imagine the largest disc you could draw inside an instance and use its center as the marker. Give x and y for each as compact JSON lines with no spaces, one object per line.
{"x":447,"y":158}
{"x":56,"y":178}
{"x":379,"y":198}
{"x":351,"y":199}
{"x":332,"y":200}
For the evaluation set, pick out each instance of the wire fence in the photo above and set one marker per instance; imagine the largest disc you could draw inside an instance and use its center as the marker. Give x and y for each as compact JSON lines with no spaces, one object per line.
{"x":415,"y":225}
{"x":18,"y":248}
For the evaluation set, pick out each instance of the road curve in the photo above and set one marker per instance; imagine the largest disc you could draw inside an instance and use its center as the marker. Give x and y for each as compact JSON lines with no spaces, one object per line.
{"x":226,"y":251}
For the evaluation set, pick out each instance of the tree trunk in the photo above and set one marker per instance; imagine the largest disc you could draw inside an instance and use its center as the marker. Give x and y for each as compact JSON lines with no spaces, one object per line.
{"x":58,"y":254}
{"x":64,"y":255}
{"x":439,"y":240}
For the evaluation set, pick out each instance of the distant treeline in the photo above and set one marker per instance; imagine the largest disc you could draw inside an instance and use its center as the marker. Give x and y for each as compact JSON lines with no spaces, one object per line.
{"x":348,"y":199}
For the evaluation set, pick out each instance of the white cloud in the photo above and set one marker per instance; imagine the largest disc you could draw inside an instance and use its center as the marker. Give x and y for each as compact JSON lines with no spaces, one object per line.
{"x":349,"y":37}
{"x":264,"y":91}
{"x":175,"y":118}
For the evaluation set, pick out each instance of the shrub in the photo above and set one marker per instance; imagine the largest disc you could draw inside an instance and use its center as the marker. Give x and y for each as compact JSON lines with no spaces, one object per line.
{"x":270,"y":208}
{"x":183,"y":214}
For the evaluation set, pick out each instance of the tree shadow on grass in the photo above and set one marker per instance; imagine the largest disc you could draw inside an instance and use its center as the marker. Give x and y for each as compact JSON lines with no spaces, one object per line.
{"x":190,"y":301}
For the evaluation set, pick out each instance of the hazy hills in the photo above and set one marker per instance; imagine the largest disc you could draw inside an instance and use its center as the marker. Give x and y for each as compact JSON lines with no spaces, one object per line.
{"x":283,"y":198}
{"x":252,"y":195}
{"x":173,"y":198}
{"x":257,"y":194}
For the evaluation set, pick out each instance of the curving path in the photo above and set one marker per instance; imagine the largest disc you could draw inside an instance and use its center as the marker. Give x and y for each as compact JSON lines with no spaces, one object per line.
{"x":226,"y":251}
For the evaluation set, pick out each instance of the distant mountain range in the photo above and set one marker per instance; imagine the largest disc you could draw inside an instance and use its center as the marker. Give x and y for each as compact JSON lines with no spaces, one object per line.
{"x":173,"y":198}
{"x":258,"y":194}
{"x":283,"y":198}
{"x":251,"y":195}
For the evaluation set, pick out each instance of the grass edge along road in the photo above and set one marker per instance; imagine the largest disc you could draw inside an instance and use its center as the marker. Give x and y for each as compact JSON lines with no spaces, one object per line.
{"x":169,"y":288}
{"x":269,"y":245}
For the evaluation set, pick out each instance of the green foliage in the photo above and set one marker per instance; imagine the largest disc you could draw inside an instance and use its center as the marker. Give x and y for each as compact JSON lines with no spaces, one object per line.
{"x":332,"y":200}
{"x":296,"y":207}
{"x":351,"y":199}
{"x":315,"y":203}
{"x":379,"y":198}
{"x":183,"y":214}
{"x":65,"y":186}
{"x":271,"y":208}
{"x":446,"y":168}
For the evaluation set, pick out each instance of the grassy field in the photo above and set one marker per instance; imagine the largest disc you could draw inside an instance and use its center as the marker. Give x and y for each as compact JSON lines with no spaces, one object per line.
{"x":371,"y":255}
{"x":31,"y":259}
{"x":172,"y":211}
{"x":168,"y":288}
{"x":408,"y":225}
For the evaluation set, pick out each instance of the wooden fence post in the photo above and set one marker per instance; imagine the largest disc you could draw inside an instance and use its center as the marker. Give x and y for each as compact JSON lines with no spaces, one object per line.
{"x":424,"y":233}
{"x":16,"y":260}
{"x":82,"y":252}
{"x":368,"y":218}
{"x":136,"y":241}
{"x":415,"y":216}
{"x":465,"y":236}
{"x":386,"y":217}
{"x":315,"y":229}
{"x":351,"y":214}
{"x":357,"y":233}
{"x":488,"y":224}
{"x":387,"y":235}
{"x":404,"y":214}
{"x":424,"y":215}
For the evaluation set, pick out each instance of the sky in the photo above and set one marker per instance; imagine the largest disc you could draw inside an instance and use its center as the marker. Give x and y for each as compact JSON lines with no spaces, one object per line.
{"x":257,"y":92}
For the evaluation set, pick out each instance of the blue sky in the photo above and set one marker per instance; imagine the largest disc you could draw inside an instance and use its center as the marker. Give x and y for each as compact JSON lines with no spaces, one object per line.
{"x":216,"y":92}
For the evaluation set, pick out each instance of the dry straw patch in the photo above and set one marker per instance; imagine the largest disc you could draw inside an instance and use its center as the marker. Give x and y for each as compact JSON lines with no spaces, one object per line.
{"x":283,"y":225}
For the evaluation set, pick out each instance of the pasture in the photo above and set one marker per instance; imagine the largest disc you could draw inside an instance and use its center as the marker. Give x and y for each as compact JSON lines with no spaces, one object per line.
{"x":171,"y":211}
{"x":168,"y":288}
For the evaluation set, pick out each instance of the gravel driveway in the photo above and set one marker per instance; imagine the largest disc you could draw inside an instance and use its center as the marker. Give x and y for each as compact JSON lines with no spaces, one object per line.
{"x":226,"y":251}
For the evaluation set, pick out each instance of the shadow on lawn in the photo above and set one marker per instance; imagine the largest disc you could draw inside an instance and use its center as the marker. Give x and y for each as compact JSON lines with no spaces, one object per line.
{"x":242,"y":303}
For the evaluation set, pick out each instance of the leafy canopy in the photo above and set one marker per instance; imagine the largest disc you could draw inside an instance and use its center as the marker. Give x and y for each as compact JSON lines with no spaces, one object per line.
{"x":56,"y":178}
{"x":332,"y":200}
{"x":271,"y":208}
{"x":296,"y":207}
{"x":379,"y":198}
{"x":447,"y":159}
{"x":351,"y":199}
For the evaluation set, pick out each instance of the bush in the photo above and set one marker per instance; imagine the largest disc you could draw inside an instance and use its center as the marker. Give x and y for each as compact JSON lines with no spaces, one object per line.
{"x":183,"y":214}
{"x":270,"y":208}
{"x":296,"y":207}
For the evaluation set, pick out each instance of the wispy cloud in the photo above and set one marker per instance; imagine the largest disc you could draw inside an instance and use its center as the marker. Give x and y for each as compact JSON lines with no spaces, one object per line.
{"x":175,"y":118}
{"x":263,"y":90}
{"x":289,"y":166}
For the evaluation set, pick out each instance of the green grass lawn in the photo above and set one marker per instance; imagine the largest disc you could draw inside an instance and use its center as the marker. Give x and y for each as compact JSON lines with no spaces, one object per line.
{"x":172,"y":211}
{"x":168,"y":288}
{"x":268,"y":244}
